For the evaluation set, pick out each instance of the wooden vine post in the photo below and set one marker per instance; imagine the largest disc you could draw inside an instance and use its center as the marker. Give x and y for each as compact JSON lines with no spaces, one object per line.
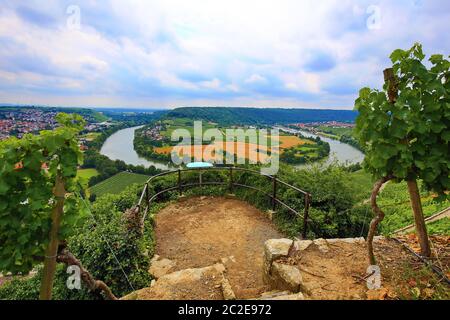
{"x":413,"y":189}
{"x":52,"y":248}
{"x":392,"y":86}
{"x":421,"y":228}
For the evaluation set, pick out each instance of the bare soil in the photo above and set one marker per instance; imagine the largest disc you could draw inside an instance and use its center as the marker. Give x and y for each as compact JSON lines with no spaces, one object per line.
{"x":341,"y":272}
{"x":201,"y":231}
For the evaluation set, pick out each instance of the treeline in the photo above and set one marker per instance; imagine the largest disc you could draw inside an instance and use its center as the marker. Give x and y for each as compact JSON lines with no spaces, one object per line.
{"x":135,"y":117}
{"x":351,"y":141}
{"x":255,"y":116}
{"x":144,"y":147}
{"x":108,"y":168}
{"x":306,"y":153}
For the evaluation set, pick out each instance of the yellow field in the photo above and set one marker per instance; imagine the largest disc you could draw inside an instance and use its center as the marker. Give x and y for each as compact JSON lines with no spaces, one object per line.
{"x":249,"y":151}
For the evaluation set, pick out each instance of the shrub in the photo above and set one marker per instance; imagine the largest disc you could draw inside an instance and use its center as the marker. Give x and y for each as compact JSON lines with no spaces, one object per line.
{"x":105,"y":247}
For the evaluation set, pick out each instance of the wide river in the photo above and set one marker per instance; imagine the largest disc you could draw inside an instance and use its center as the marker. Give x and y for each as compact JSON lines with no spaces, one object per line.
{"x":119,"y":146}
{"x":342,"y":152}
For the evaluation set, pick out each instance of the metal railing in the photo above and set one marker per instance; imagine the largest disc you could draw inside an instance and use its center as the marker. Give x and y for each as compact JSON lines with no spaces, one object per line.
{"x":146,"y":199}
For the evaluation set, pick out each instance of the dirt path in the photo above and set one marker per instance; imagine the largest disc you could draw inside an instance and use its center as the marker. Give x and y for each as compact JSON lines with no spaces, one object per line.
{"x":201,"y":231}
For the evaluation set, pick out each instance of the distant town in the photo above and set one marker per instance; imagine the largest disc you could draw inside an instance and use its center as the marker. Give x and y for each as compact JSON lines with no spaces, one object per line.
{"x":19,"y":121}
{"x":312,"y":126}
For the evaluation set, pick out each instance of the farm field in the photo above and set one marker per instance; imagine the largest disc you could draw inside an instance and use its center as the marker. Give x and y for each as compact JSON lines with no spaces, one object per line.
{"x":247,"y":149}
{"x":335,"y":133}
{"x":91,"y":136}
{"x":117,"y":183}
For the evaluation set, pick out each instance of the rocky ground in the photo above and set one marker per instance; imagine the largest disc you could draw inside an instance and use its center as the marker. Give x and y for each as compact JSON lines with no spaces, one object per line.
{"x":220,"y":248}
{"x":202,"y":231}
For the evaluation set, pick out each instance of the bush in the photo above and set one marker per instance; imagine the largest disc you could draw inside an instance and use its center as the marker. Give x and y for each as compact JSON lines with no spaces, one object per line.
{"x":105,"y":247}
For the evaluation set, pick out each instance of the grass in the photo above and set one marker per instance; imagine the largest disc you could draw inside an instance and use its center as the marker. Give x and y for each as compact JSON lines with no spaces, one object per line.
{"x":394,"y":201}
{"x":84,"y":175}
{"x":440,"y":227}
{"x":336,"y":132}
{"x":117,"y":183}
{"x":91,"y":136}
{"x":363,"y":183}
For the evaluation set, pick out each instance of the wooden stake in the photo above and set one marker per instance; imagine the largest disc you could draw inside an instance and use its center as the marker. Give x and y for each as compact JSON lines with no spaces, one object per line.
{"x":421,"y":228}
{"x":52,"y":249}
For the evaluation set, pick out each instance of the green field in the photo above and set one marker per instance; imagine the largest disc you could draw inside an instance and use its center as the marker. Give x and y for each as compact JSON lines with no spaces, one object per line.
{"x":117,"y":183}
{"x":440,"y":227}
{"x":335,"y":133}
{"x":84,"y":175}
{"x":394,"y":201}
{"x":186,"y":124}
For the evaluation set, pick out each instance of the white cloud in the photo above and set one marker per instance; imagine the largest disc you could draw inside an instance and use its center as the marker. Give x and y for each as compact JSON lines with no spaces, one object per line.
{"x":256,"y":78}
{"x":234,"y":52}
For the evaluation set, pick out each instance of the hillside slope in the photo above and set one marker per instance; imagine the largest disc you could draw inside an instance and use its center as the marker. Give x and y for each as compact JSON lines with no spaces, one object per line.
{"x":252,"y":116}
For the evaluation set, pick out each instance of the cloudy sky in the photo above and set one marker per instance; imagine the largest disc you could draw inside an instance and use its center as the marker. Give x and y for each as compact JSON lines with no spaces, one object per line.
{"x":207,"y":52}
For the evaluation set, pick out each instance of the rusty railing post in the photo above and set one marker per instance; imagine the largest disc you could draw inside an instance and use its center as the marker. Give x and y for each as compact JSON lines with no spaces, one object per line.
{"x":231,"y":181}
{"x":180,"y":191}
{"x":305,"y":215}
{"x":274,"y":193}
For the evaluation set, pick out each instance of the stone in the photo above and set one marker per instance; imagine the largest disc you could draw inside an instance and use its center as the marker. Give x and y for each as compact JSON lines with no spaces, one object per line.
{"x":294,"y":296}
{"x":322,"y":245}
{"x":281,"y":295}
{"x":360,"y":240}
{"x":285,"y":277}
{"x":227,"y":291}
{"x":274,"y":293}
{"x":379,"y":238}
{"x":161,"y":267}
{"x":219,"y":267}
{"x":276,"y":248}
{"x":195,"y":283}
{"x":301,"y":245}
{"x":155,"y":258}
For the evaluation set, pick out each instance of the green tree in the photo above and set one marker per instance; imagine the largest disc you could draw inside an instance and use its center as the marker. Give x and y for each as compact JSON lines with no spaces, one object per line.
{"x":38,"y":205}
{"x":405,"y":130}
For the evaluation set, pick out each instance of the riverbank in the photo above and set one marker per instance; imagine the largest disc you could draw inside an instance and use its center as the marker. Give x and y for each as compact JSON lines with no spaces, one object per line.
{"x":119,"y":146}
{"x":339,"y":151}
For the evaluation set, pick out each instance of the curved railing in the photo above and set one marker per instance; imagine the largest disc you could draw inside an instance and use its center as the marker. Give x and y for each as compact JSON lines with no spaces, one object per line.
{"x":146,"y":198}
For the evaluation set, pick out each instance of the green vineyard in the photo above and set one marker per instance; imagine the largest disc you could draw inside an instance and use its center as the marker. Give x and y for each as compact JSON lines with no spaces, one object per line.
{"x":117,"y":183}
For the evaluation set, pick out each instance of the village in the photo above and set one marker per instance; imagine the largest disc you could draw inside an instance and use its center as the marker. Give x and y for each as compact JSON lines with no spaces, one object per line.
{"x":17,"y":122}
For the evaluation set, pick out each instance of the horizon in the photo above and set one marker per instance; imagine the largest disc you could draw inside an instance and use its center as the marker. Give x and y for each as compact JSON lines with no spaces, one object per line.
{"x":6,"y":105}
{"x":167,"y":55}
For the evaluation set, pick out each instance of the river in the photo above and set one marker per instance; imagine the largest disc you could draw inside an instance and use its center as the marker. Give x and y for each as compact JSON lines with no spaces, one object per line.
{"x":120,"y":146}
{"x":342,"y":152}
